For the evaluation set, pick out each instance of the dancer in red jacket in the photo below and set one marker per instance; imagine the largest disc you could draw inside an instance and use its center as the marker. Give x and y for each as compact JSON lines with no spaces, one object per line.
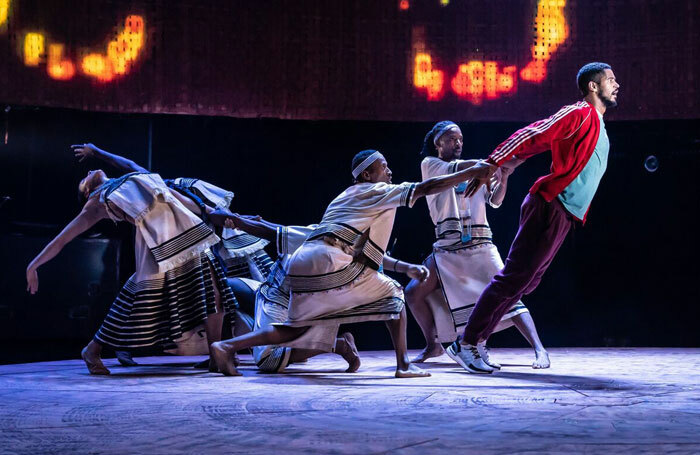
{"x":579,"y":144}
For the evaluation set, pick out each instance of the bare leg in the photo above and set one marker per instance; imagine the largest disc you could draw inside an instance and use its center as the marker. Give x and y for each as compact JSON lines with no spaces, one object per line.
{"x":397,"y":330}
{"x":344,"y":347}
{"x":91,"y":356}
{"x":223,"y":352}
{"x":526,"y":326}
{"x":214,"y":323}
{"x":415,"y":294}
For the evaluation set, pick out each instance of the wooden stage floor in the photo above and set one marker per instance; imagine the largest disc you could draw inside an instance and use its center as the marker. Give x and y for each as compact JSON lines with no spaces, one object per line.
{"x":591,"y":401}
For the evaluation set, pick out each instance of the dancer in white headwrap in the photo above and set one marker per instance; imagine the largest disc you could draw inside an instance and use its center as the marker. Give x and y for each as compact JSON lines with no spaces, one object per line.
{"x":334,"y":276}
{"x":464,"y":259}
{"x":272,"y":297}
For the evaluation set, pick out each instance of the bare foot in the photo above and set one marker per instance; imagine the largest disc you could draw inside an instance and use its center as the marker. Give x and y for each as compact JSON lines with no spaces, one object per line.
{"x":411,"y":372}
{"x":349,"y":352}
{"x":541,"y":360}
{"x":93,"y":362}
{"x":223,"y":360}
{"x":208,"y":364}
{"x":429,"y":352}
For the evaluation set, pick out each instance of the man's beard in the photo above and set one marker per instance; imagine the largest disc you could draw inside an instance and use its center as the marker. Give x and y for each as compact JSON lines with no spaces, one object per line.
{"x":609,"y":102}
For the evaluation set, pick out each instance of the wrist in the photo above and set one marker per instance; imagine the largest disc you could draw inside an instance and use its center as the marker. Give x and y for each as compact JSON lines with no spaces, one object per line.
{"x":491,"y":161}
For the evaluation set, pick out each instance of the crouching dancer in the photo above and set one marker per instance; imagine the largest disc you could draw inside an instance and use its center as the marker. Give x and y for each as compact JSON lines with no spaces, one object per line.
{"x":272,"y":297}
{"x":334,"y":277}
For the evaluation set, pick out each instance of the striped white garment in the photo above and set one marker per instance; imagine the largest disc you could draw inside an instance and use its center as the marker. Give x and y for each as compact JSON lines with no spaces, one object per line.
{"x":170,"y":232}
{"x":172,"y":290}
{"x":464,"y":268}
{"x":243,"y":254}
{"x":333,"y":276}
{"x":463,"y":274}
{"x":159,"y":309}
{"x":450,"y":211}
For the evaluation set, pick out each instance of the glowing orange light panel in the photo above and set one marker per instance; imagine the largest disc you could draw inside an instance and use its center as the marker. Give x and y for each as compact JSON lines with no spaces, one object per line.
{"x":121,"y":52}
{"x":4,"y":10}
{"x":33,"y":48}
{"x":477,"y":80}
{"x":428,"y":78}
{"x":551,"y":31}
{"x":120,"y":56}
{"x":58,"y":67}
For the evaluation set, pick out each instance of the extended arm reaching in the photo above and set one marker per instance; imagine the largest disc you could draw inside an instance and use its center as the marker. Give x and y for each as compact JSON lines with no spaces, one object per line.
{"x":499,"y":192}
{"x":83,"y":151}
{"x":439,"y":184}
{"x":254,"y":226}
{"x":90,"y":215}
{"x":415,"y":271}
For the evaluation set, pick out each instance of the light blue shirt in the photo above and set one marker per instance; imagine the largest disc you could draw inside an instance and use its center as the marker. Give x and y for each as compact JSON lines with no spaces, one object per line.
{"x":577,"y":197}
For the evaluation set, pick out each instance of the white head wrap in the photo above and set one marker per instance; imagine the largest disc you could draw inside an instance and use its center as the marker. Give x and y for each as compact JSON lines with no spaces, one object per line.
{"x":365,"y":164}
{"x":439,"y":134}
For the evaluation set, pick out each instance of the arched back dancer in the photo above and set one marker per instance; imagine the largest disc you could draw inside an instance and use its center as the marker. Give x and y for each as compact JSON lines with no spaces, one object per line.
{"x":240,"y":254}
{"x":177,"y":284}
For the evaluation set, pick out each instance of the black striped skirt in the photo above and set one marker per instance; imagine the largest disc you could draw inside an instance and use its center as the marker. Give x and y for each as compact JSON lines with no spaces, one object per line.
{"x":239,"y":267}
{"x":159,"y":310}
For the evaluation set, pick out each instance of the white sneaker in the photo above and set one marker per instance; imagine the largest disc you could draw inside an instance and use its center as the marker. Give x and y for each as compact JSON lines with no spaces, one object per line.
{"x":484,"y":353}
{"x":468,"y":357}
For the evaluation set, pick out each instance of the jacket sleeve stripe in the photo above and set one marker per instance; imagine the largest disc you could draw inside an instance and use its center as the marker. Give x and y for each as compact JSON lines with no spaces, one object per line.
{"x":530,"y":131}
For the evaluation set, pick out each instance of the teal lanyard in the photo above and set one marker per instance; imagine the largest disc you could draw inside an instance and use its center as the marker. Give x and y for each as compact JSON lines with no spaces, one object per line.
{"x":466,"y":230}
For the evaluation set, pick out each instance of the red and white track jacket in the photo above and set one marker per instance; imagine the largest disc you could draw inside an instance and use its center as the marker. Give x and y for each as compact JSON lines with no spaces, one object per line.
{"x":571,"y":134}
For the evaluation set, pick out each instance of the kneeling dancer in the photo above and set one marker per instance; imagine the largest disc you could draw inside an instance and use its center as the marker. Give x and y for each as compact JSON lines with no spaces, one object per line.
{"x":334,"y":277}
{"x":272,"y":297}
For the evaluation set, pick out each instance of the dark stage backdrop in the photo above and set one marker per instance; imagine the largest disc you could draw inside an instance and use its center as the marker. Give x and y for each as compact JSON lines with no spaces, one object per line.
{"x":396,"y":60}
{"x":628,"y":278}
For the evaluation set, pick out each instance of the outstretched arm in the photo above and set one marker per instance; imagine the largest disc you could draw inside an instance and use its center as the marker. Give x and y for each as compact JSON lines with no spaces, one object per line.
{"x":83,"y":151}
{"x":90,"y":215}
{"x":439,"y":184}
{"x":415,"y":271}
{"x":499,"y":192}
{"x":466,"y":164}
{"x":254,"y":226}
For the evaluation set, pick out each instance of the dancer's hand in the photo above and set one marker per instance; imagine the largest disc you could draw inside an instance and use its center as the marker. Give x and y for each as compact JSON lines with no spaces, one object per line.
{"x":32,"y":280}
{"x":82,"y":151}
{"x":483,"y":177}
{"x":418,"y":272}
{"x":219,"y":217}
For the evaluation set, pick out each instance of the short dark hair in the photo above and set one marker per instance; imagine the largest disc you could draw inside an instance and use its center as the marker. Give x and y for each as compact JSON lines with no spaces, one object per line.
{"x":429,"y":148}
{"x":589,"y":72}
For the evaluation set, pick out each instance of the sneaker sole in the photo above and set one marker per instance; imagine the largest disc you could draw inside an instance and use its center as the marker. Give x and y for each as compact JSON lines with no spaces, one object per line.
{"x":470,"y":368}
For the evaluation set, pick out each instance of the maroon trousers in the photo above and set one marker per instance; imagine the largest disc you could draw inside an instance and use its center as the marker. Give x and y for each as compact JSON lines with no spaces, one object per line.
{"x":543,"y":228}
